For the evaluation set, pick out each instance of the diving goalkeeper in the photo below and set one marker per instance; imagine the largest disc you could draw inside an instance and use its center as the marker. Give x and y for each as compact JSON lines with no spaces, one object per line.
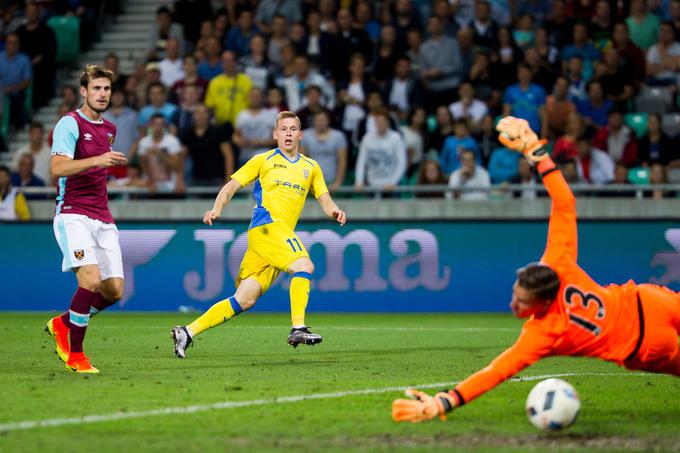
{"x":569,"y":314}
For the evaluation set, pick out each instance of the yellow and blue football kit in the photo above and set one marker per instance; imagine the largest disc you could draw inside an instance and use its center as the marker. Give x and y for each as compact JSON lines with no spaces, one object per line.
{"x":281,"y":187}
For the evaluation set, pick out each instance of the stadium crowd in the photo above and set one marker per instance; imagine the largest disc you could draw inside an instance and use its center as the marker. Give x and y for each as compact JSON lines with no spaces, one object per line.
{"x":392,"y":93}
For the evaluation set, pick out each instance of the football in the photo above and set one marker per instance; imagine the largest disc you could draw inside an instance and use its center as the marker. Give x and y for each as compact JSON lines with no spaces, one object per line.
{"x":553,"y":405}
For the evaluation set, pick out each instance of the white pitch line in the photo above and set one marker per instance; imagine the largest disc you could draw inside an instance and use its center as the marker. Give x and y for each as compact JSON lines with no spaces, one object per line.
{"x":88,"y":419}
{"x":356,"y":328}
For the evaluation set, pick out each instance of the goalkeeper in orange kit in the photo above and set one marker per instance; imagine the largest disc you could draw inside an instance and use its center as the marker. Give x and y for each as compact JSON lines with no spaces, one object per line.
{"x":569,"y":314}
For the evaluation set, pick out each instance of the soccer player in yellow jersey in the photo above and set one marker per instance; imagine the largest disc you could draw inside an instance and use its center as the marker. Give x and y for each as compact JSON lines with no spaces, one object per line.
{"x":282,"y":178}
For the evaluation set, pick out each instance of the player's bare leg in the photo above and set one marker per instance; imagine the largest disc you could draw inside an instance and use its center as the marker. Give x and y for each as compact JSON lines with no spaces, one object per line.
{"x":247,"y":293}
{"x":302,"y":270}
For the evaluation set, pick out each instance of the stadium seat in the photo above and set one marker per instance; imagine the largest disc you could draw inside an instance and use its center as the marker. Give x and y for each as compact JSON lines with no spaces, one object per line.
{"x":67,"y":31}
{"x":654,"y":100}
{"x":638,"y":175}
{"x":670,"y":123}
{"x":637,"y":122}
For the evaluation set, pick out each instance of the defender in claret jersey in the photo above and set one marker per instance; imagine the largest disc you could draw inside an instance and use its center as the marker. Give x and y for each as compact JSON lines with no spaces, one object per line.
{"x":83,"y":226}
{"x":569,"y":314}
{"x":283,"y":178}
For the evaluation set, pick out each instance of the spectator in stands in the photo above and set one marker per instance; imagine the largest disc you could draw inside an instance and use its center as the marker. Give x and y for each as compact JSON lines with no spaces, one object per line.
{"x":151,"y":75}
{"x":414,"y":39}
{"x":297,"y":36}
{"x":414,"y":139}
{"x":557,"y":107}
{"x":468,"y":50}
{"x":374,"y":105}
{"x":386,"y":54}
{"x":127,"y":132}
{"x":467,"y":107}
{"x":526,"y":100}
{"x":455,"y":144}
{"x":443,"y":129}
{"x":486,"y":138}
{"x":206,"y":32}
{"x":24,"y":175}
{"x":37,"y":148}
{"x":327,"y":12}
{"x":655,"y":147}
{"x":133,"y":178}
{"x":616,"y":78}
{"x":314,"y":106}
{"x":663,"y":59}
{"x":238,"y":38}
{"x":183,"y":117}
{"x":158,"y":104}
{"x":469,"y":175}
{"x":161,"y":157}
{"x":255,"y":65}
{"x":277,"y":40}
{"x":190,"y":14}
{"x":313,"y":39}
{"x":16,"y":76}
{"x":539,"y":10}
{"x":403,"y":17}
{"x":506,"y":56}
{"x":112,"y":63}
{"x":211,"y":66}
{"x":337,"y":48}
{"x":275,"y":100}
{"x":171,"y":66}
{"x":328,"y":147}
{"x":569,"y":171}
{"x":566,"y":145}
{"x":526,"y":178}
{"x":657,"y":175}
{"x":602,"y":25}
{"x":287,"y":67}
{"x":221,"y":24}
{"x":62,"y":110}
{"x":583,"y":48}
{"x":560,"y":24}
{"x":593,"y":165}
{"x":39,"y":43}
{"x":382,"y":158}
{"x":503,"y":165}
{"x":483,"y":26}
{"x":577,"y":84}
{"x":228,"y":93}
{"x":487,"y":86}
{"x":253,"y":129}
{"x":403,"y":91}
{"x":162,"y":30}
{"x":441,"y":65}
{"x":209,"y":149}
{"x":595,"y":110}
{"x":618,"y":140}
{"x":547,"y":51}
{"x":10,"y":20}
{"x":13,"y":205}
{"x":449,"y":18}
{"x":523,"y":32}
{"x":431,"y":174}
{"x":674,"y":13}
{"x":303,"y":77}
{"x":352,"y":95}
{"x":642,"y":25}
{"x":191,"y":77}
{"x":365,"y":21}
{"x":621,"y":178}
{"x":543,"y":74}
{"x":268,"y":10}
{"x":629,"y":52}
{"x":70,"y":96}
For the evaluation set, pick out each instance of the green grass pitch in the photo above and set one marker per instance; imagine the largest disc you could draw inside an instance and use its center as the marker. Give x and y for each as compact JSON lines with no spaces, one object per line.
{"x":247,"y":361}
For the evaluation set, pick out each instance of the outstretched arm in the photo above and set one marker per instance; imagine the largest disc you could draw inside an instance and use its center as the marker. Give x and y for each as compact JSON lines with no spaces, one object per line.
{"x":331,"y":209}
{"x":531,"y":345}
{"x":223,"y":198}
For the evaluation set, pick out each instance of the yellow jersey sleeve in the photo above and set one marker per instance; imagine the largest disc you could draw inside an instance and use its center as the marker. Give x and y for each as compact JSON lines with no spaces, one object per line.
{"x":318,"y":183}
{"x":250,"y":170}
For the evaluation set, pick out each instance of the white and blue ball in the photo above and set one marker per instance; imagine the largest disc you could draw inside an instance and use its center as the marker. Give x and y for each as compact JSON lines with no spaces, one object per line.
{"x":553,"y":405}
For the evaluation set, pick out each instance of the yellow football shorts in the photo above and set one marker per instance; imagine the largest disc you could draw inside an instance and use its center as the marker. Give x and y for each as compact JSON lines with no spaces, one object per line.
{"x":271,"y":249}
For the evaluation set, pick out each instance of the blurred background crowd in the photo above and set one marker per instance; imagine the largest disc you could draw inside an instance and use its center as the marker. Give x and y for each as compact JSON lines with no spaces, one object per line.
{"x":389,"y":93}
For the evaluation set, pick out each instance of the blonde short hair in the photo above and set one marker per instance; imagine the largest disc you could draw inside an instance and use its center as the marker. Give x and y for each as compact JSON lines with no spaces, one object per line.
{"x":287,"y":114}
{"x":93,"y":71}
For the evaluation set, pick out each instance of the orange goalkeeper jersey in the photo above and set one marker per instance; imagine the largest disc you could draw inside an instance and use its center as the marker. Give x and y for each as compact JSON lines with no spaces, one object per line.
{"x":586,"y":319}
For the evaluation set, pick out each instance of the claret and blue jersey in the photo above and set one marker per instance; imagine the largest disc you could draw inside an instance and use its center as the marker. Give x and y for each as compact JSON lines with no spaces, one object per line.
{"x":281,"y":186}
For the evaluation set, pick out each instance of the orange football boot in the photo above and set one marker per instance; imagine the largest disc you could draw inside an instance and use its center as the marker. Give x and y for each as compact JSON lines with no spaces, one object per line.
{"x":79,"y":363}
{"x":59,"y":332}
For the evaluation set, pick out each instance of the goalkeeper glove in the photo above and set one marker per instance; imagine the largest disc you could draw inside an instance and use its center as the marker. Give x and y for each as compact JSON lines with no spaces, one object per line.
{"x":516,"y":134}
{"x":422,"y":406}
